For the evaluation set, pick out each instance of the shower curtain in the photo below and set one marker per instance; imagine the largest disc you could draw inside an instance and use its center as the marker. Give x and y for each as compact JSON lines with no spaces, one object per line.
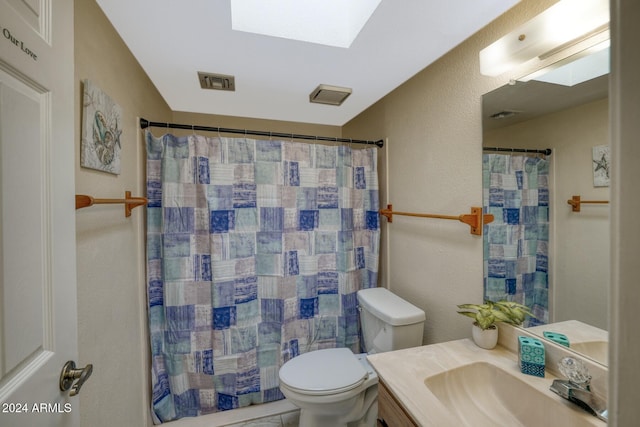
{"x":516,"y":192}
{"x":255,"y":252}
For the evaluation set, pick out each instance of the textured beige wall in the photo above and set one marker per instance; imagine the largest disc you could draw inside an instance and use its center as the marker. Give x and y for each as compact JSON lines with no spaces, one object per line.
{"x":434,"y":160}
{"x":110,"y":248}
{"x":252,"y":124}
{"x":579,"y":252}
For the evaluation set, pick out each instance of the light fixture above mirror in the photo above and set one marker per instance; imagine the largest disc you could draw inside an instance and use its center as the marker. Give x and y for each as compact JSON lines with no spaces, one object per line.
{"x":564,"y":25}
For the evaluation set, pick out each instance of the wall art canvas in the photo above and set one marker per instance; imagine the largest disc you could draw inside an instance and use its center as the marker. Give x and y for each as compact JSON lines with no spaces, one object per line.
{"x":101,"y":130}
{"x":601,"y":166}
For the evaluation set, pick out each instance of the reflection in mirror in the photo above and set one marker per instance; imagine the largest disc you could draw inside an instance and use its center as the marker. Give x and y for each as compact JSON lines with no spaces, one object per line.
{"x":579,"y":336}
{"x":563,"y":275}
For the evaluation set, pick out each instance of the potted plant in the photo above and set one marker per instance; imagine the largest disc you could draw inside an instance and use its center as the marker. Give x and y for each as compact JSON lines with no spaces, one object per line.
{"x":485,"y":316}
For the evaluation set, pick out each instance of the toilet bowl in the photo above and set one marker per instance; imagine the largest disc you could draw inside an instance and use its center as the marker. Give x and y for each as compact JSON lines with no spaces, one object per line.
{"x":334,"y":387}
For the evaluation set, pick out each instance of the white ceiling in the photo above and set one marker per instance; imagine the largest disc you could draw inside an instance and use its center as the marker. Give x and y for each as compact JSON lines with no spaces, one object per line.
{"x":174,"y":39}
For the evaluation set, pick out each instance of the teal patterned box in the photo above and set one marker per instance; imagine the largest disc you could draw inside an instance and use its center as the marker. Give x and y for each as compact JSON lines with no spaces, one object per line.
{"x":557,"y":337}
{"x":531,"y":356}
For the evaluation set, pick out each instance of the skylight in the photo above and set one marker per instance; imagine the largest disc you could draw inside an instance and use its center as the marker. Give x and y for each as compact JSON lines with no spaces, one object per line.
{"x":581,"y":70}
{"x":329,"y":22}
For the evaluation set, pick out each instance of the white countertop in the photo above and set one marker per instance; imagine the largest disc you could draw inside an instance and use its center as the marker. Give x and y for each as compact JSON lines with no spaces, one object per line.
{"x":404,"y":372}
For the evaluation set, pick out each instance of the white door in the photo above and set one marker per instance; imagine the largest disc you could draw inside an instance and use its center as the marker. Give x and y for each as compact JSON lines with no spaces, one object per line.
{"x":37,"y":221}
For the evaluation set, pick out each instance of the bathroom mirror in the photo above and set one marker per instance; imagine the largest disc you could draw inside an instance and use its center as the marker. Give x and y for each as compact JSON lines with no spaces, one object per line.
{"x":570,"y":118}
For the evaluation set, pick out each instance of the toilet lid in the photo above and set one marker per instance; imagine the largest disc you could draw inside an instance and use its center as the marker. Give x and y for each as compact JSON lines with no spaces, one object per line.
{"x":326,"y":371}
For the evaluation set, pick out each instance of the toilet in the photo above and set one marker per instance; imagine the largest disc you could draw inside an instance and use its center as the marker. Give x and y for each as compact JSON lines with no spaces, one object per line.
{"x":334,"y":387}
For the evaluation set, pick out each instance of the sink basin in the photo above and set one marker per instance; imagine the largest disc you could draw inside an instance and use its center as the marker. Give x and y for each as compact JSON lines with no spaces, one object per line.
{"x":597,"y":350}
{"x":482,"y":394}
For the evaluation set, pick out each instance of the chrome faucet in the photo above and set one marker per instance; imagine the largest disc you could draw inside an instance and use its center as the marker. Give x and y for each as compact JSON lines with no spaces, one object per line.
{"x":577,"y":388}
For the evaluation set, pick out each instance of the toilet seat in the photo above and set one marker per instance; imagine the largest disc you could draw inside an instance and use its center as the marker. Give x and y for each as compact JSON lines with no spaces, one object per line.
{"x":323,"y":372}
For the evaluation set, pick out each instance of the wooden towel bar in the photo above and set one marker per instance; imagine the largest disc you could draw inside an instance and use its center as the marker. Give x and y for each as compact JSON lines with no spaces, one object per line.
{"x":575,"y":203}
{"x":475,"y":219}
{"x":83,"y":201}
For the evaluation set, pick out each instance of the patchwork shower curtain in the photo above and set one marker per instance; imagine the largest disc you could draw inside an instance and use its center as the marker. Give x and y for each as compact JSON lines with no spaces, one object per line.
{"x":255,"y":252}
{"x":516,"y":253}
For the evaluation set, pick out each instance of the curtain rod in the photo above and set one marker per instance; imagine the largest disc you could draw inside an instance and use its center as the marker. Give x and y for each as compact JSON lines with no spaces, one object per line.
{"x":545,"y":151}
{"x":146,"y":123}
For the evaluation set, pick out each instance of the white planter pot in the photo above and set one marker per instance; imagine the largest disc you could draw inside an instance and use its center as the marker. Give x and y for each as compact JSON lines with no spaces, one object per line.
{"x":487,"y":338}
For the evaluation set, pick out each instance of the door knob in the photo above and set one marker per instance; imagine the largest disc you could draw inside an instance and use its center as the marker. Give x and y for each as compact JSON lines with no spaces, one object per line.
{"x":70,"y":374}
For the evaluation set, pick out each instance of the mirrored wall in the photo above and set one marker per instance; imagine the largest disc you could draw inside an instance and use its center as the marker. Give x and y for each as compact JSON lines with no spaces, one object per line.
{"x":567,"y":112}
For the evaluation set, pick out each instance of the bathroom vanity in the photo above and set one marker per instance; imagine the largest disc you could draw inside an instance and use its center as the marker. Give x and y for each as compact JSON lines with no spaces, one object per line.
{"x":390,"y":411}
{"x":459,"y":384}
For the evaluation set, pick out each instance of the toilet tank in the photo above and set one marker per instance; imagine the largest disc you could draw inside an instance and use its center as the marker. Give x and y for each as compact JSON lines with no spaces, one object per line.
{"x":388,"y":322}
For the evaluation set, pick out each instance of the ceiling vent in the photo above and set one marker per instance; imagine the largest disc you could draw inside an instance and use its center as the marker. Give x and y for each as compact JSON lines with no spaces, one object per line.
{"x":504,"y":114}
{"x":217,"y":81}
{"x":331,"y":95}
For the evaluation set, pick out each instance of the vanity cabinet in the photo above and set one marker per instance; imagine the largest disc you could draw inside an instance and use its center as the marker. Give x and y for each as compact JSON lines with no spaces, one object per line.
{"x":390,"y":412}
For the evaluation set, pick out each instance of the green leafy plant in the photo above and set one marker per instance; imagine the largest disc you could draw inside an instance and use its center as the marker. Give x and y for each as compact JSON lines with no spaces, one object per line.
{"x":488,"y":314}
